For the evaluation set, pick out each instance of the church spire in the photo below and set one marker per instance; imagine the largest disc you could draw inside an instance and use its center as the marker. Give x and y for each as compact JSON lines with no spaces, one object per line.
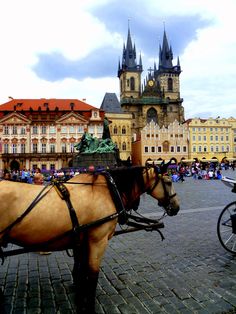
{"x":129,"y":62}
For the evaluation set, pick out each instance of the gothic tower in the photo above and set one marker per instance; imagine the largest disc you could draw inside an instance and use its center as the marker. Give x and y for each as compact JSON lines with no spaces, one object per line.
{"x":129,"y":72}
{"x":159,"y":97}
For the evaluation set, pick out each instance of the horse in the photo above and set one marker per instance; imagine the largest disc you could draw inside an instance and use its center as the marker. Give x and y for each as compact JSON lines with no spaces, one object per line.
{"x":80,"y":214}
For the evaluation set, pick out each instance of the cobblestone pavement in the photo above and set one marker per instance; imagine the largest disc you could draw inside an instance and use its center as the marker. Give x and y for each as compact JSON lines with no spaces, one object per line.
{"x":188,"y":272}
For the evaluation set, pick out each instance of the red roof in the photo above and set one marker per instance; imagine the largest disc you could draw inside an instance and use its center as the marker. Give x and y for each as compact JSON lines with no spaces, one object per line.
{"x":51,"y":104}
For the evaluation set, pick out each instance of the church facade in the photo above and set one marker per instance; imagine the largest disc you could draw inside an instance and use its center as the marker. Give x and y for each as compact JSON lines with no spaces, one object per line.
{"x":158,"y":98}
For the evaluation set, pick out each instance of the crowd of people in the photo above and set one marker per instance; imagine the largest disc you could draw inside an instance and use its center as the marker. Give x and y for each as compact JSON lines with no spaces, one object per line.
{"x":199,"y":171}
{"x":178,"y":172}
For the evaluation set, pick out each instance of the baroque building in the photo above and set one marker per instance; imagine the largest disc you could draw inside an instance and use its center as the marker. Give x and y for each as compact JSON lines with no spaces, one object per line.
{"x":42,"y":132}
{"x":158,"y":98}
{"x":212,"y":139}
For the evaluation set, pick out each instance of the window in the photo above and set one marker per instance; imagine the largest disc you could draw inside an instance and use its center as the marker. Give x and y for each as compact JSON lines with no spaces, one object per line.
{"x":63,"y":129}
{"x":72,"y":147}
{"x":199,"y":129}
{"x":227,"y":138}
{"x":216,"y":137}
{"x":80,"y":129}
{"x":123,"y":146}
{"x":194,"y":138}
{"x":212,"y":149}
{"x":52,"y":129}
{"x":14,"y":129}
{"x":222,"y":138}
{"x":22,"y":131}
{"x":43,"y":129}
{"x":153,"y":149}
{"x":91,"y":129}
{"x":6,"y":148}
{"x":178,"y":149}
{"x":44,"y":167}
{"x":170,"y":84}
{"x":194,"y":129}
{"x":132,"y":83}
{"x":151,"y":115}
{"x":211,"y":129}
{"x":199,"y":137}
{"x":35,"y":148}
{"x":52,"y":148}
{"x":205,"y":149}
{"x":115,"y":131}
{"x":184,"y":149}
{"x":63,"y":147}
{"x":146,"y":149}
{"x":204,"y":138}
{"x":211,"y":138}
{"x":222,"y":148}
{"x":6,"y":130}
{"x":72,"y":129}
{"x":35,"y":129}
{"x":52,"y":167}
{"x":123,"y":130}
{"x":172,"y":149}
{"x":159,"y":149}
{"x":217,"y":148}
{"x":22,"y":148}
{"x":199,"y":149}
{"x":194,"y":149}
{"x":44,"y":148}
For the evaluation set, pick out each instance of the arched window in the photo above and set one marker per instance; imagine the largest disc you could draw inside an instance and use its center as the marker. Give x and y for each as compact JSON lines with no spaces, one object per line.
{"x":151,"y":115}
{"x":123,"y":146}
{"x":123,"y":130}
{"x":170,"y":84}
{"x":115,"y":131}
{"x":132,"y":83}
{"x":165,"y":146}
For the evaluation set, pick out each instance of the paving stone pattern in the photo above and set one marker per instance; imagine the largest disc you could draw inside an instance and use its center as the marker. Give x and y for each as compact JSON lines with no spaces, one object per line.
{"x":188,"y":272}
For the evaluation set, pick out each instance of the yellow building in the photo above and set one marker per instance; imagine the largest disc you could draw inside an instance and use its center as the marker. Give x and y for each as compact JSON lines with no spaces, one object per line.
{"x":120,"y":126}
{"x":211,"y":138}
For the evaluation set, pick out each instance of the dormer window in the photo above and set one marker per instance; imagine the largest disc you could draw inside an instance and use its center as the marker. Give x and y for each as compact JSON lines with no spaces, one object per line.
{"x":95,"y":114}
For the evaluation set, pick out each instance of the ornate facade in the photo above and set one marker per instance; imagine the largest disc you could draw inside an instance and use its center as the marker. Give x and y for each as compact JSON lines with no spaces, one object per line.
{"x":42,"y":132}
{"x":161,"y":143}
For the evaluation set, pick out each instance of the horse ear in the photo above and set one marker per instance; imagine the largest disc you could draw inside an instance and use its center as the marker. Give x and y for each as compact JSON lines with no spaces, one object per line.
{"x":164,"y":166}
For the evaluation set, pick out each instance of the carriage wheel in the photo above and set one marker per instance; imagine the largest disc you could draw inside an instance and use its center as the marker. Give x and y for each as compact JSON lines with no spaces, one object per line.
{"x":226,"y":227}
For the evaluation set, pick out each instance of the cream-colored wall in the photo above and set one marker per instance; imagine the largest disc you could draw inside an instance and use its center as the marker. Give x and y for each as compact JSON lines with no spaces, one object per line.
{"x":152,"y":136}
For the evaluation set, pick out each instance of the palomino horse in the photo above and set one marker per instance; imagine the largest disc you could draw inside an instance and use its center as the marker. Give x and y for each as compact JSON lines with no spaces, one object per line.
{"x":80,"y":214}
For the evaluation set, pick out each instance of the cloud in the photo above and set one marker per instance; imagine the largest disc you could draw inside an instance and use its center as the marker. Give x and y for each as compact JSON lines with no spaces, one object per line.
{"x":70,"y":49}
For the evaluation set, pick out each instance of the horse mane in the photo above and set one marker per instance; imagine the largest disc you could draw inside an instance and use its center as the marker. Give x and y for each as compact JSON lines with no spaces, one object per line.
{"x":126,"y":177}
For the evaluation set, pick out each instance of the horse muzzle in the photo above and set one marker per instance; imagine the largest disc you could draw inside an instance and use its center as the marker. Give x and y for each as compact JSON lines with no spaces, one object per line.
{"x":169,"y":208}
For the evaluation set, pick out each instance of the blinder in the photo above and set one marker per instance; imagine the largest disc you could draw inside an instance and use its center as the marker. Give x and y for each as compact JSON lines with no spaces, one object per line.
{"x":166,"y":202}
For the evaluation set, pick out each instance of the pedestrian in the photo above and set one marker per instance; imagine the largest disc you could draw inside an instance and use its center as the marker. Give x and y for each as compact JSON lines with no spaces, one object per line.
{"x":38,"y":177}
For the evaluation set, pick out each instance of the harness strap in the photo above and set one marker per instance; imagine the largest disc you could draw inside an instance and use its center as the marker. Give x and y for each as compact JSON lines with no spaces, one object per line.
{"x":64,"y":193}
{"x":122,"y":217}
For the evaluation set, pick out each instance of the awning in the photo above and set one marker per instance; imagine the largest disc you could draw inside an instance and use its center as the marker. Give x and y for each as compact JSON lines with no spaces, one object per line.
{"x":209,"y":160}
{"x":188,"y":160}
{"x":230,"y":159}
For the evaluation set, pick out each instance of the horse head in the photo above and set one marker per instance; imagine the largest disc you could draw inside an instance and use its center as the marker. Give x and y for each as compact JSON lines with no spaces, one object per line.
{"x":160,"y":187}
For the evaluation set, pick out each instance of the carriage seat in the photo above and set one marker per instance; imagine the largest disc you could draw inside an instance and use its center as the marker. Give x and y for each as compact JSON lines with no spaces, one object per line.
{"x":230,"y":182}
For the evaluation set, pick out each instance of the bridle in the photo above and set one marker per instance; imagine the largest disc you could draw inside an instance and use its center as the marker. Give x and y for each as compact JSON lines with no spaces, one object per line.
{"x":150,"y":189}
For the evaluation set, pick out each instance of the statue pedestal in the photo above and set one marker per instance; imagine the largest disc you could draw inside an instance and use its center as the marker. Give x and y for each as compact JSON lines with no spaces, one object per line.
{"x":95,"y":159}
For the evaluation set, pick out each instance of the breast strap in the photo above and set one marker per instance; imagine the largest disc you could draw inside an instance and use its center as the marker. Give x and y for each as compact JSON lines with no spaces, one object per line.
{"x":64,"y":193}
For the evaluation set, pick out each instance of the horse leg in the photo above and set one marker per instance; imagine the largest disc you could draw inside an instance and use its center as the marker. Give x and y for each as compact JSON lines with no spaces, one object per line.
{"x":85,"y":282}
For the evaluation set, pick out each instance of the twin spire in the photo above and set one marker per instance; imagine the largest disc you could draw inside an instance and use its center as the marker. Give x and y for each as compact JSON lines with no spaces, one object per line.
{"x":129,"y":62}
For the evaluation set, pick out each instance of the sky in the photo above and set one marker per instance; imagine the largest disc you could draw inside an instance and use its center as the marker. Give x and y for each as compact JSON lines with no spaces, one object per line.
{"x":71,"y":48}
